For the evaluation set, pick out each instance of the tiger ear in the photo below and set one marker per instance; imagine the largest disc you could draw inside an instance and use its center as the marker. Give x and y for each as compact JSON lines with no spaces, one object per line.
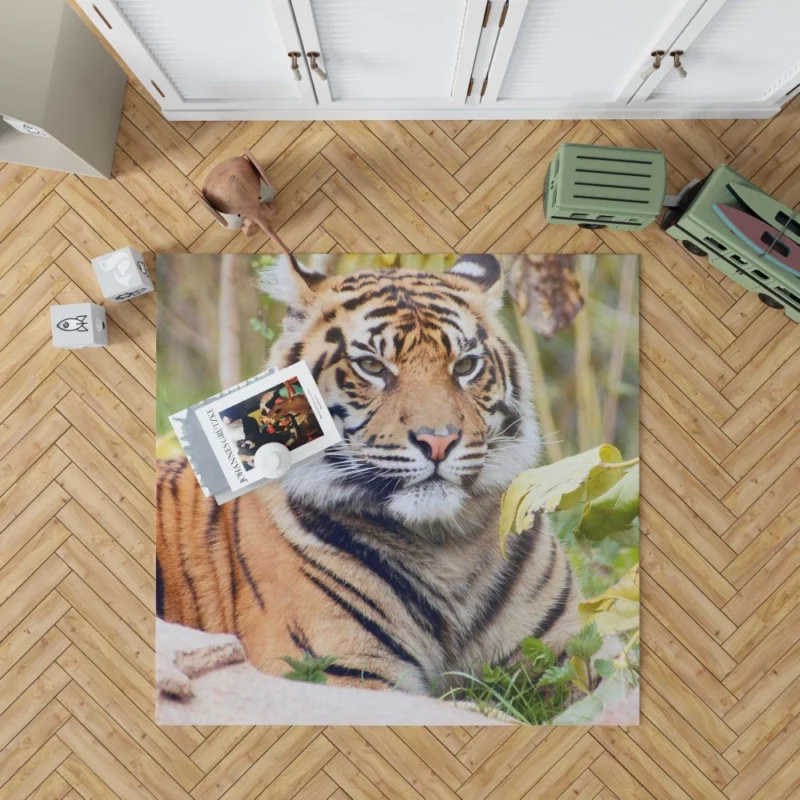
{"x":482,"y":270}
{"x":290,"y":282}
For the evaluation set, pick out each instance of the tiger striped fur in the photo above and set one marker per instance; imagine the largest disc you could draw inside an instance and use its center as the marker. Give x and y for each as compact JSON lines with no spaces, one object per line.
{"x":383,"y":551}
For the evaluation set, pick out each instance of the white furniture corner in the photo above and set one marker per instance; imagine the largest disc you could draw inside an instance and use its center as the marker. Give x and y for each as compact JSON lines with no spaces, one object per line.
{"x":58,"y":78}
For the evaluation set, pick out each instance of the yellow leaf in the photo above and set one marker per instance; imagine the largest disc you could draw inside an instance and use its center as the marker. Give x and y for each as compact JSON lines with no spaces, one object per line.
{"x":582,"y":675}
{"x":617,"y":609}
{"x":559,"y":486}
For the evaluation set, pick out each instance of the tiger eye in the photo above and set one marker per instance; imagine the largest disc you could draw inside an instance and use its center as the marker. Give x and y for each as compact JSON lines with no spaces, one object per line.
{"x":371,"y":365}
{"x":464,"y":366}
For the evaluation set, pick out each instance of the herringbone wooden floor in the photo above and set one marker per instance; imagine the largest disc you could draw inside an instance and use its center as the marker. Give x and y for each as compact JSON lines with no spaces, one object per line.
{"x":720,"y":406}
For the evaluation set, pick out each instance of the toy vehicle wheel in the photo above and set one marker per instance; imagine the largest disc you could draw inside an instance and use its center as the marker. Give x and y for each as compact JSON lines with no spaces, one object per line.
{"x":592,"y":226}
{"x":769,"y":301}
{"x":693,"y":248}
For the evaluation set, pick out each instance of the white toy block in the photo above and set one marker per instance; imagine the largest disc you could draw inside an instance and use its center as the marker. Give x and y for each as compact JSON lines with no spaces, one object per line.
{"x":79,"y":325}
{"x":122,"y":274}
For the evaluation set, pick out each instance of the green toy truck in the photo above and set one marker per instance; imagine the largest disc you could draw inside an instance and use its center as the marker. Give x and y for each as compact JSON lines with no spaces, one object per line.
{"x":605,"y":187}
{"x":695,"y":224}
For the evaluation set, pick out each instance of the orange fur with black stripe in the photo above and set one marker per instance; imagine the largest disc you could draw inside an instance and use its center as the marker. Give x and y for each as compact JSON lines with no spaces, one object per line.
{"x":383,"y":551}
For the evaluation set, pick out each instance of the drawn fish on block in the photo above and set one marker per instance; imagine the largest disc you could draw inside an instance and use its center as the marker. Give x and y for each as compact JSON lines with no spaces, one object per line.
{"x":764,"y":239}
{"x":769,"y":209}
{"x":77,"y":324}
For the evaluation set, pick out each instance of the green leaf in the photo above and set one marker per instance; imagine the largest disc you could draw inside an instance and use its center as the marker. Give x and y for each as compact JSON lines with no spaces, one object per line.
{"x":585,"y":643}
{"x":614,"y":689}
{"x":294,"y":663}
{"x":259,"y":326}
{"x":556,"y":676}
{"x":611,"y":512}
{"x":627,"y":537}
{"x":604,"y":668}
{"x":310,"y":669}
{"x":494,"y":675}
{"x":559,"y":486}
{"x":617,"y":684}
{"x":540,"y":656}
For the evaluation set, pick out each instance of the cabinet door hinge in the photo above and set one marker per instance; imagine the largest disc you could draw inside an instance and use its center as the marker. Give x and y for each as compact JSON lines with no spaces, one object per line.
{"x":485,"y":83}
{"x":486,"y":13}
{"x":503,"y":15}
{"x":469,"y":88}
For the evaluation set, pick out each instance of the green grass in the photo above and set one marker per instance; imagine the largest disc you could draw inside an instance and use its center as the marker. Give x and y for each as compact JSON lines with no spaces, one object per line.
{"x":513,"y":691}
{"x":537,"y":688}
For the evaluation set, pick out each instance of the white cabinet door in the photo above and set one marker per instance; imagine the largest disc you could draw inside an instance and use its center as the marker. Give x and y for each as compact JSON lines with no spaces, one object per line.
{"x":568,"y":54}
{"x":737,"y":51}
{"x":402,"y":54}
{"x":206,"y":54}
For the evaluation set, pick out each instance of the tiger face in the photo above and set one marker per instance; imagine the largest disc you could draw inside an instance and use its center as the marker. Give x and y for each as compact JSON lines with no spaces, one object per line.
{"x":432,"y":399}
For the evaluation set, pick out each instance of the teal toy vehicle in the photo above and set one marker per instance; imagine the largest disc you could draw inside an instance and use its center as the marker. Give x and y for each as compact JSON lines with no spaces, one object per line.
{"x":695,"y":224}
{"x":613,"y":187}
{"x":605,"y":187}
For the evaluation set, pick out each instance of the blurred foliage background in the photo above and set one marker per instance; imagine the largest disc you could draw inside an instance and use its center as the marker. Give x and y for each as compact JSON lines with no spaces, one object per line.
{"x":215,"y":328}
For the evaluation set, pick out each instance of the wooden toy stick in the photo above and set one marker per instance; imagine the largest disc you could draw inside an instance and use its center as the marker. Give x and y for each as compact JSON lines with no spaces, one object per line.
{"x":263,"y":223}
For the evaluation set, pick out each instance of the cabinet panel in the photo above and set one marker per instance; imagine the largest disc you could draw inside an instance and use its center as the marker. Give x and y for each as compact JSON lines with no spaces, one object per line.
{"x":207,"y":54}
{"x":412,"y":59}
{"x":749,"y":51}
{"x":578,"y":50}
{"x":389,"y":52}
{"x":566,"y":53}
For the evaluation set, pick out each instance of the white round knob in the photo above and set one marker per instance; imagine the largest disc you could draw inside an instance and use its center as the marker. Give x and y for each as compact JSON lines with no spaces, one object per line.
{"x":273,"y":460}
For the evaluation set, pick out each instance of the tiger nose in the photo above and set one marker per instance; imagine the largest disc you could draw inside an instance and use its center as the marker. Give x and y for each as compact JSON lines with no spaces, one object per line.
{"x":435,"y":444}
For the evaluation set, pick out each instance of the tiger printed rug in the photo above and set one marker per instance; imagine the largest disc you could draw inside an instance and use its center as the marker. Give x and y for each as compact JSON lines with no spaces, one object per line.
{"x":467,"y":553}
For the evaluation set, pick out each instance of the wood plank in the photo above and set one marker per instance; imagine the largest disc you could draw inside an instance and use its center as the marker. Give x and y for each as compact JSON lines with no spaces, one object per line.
{"x":104,"y":437}
{"x":152,"y":197}
{"x":160,"y":132}
{"x":402,"y":180}
{"x":776,"y":605}
{"x":352,"y":204}
{"x":95,"y":214}
{"x":157,"y":165}
{"x":384,"y":198}
{"x":682,"y":555}
{"x":678,"y":407}
{"x":105,"y":767}
{"x":438,"y":143}
{"x":537,"y":146}
{"x":492,"y":153}
{"x":476,"y":133}
{"x":25,"y":199}
{"x":419,"y":161}
{"x":681,"y":735}
{"x":31,"y":266}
